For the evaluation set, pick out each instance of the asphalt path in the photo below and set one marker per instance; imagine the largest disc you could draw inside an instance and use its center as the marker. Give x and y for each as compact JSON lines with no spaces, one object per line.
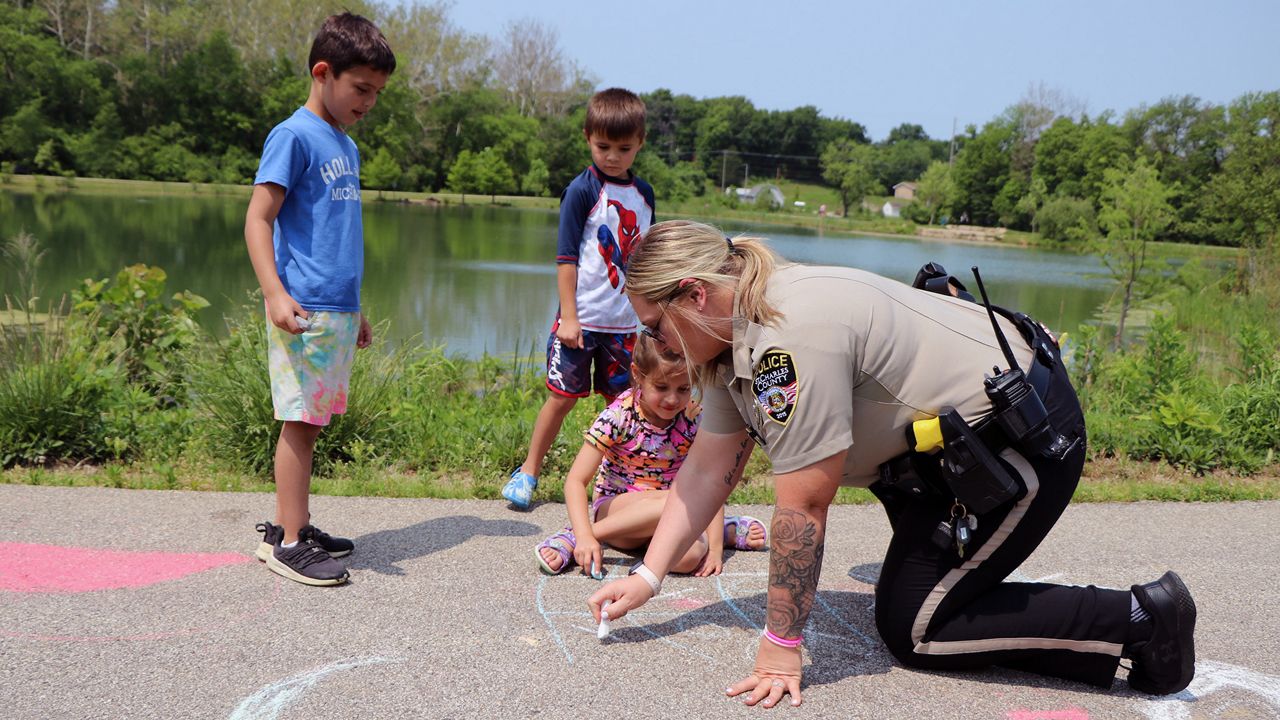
{"x":142,"y":604}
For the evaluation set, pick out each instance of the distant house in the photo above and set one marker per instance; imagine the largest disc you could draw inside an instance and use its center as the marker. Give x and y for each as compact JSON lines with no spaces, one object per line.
{"x":905,"y":190}
{"x":748,"y":196}
{"x":893,"y":206}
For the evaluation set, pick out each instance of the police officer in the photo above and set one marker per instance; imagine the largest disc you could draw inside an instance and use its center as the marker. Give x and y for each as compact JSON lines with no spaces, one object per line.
{"x":826,"y":369}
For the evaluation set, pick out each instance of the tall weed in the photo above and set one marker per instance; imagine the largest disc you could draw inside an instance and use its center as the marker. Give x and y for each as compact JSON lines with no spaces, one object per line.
{"x":59,"y":399}
{"x":24,"y":253}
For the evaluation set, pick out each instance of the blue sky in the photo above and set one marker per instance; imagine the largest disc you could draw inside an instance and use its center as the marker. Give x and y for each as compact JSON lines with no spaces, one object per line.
{"x":925,"y":62}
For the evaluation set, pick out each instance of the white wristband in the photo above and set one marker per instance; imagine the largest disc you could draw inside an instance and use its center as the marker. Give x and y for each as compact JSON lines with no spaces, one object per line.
{"x":649,"y":577}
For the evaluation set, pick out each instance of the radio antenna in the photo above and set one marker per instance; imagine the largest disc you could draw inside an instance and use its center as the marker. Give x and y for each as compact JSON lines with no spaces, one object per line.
{"x":1004,"y":344}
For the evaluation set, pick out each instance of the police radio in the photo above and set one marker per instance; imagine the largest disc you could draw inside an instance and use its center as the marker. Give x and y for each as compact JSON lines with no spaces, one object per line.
{"x":1015,"y":405}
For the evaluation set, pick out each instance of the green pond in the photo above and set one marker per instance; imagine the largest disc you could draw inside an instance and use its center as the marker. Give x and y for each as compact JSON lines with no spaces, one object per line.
{"x":475,"y":279}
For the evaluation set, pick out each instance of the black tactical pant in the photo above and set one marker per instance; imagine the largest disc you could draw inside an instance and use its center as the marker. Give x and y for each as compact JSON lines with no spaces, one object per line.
{"x":938,"y":611}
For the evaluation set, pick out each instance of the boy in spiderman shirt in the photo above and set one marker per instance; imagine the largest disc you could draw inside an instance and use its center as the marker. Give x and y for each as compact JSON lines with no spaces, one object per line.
{"x":603,"y":213}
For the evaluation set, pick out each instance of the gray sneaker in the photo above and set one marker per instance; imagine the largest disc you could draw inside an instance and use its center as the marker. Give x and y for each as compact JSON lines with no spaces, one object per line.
{"x":306,"y":563}
{"x":272,"y":535}
{"x":336,"y":547}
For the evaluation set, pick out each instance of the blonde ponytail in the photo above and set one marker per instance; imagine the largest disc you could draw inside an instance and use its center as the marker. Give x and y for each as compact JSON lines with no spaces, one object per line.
{"x":677,"y":249}
{"x":674,"y":250}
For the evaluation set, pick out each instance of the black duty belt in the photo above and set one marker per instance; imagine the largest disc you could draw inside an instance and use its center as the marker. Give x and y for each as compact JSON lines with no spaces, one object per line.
{"x":919,"y":474}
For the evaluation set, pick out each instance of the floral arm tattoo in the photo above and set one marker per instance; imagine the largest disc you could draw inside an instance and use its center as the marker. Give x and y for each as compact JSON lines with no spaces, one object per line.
{"x":795,"y":562}
{"x":737,"y":463}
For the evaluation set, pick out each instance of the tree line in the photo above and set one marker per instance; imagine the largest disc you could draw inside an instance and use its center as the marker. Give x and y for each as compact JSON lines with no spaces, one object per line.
{"x":188,"y":89}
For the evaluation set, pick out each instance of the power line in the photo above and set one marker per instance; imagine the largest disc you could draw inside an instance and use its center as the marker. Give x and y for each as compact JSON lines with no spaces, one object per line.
{"x":768,"y":155}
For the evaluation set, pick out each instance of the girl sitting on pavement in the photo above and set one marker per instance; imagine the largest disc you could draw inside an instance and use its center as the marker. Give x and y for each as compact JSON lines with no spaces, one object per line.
{"x":633,"y":451}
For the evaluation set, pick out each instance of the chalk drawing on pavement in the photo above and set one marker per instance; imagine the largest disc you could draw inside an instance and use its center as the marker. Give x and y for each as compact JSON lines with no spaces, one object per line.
{"x":270,"y":701}
{"x":90,"y":582}
{"x":1213,"y":678}
{"x":683,"y":617}
{"x":32,"y":568}
{"x":1064,"y":714}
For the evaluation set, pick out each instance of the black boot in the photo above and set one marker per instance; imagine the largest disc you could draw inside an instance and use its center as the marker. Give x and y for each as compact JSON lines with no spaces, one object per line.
{"x":1165,"y":662}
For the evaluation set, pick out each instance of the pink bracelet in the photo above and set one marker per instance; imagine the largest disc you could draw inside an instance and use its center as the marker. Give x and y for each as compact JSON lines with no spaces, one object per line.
{"x":781,"y":641}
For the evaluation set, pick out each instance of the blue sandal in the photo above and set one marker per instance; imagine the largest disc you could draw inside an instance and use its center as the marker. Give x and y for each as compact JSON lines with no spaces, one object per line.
{"x":519,"y":489}
{"x":563,"y":543}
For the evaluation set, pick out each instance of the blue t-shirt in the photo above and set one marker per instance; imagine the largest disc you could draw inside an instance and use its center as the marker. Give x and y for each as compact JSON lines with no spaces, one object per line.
{"x":601,"y":218}
{"x":319,"y":237}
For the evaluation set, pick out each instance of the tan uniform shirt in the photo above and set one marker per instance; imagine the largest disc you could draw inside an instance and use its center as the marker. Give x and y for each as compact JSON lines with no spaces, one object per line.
{"x":855,"y":359}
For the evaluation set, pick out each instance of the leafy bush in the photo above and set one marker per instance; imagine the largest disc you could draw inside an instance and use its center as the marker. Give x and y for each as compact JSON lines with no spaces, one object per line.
{"x":1183,"y":430}
{"x":916,"y":212}
{"x":231,"y":394}
{"x":1251,"y":414}
{"x":688,"y":177}
{"x":1154,"y":402}
{"x":1251,"y":408}
{"x":1258,"y":358}
{"x":236,"y":167}
{"x":129,"y":314}
{"x":1166,"y":360}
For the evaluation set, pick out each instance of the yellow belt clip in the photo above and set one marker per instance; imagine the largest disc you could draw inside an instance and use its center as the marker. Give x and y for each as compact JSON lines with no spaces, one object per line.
{"x":927,"y":435}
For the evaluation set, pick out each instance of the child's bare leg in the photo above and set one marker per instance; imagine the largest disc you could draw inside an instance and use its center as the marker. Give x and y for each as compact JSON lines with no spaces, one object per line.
{"x":293,"y":476}
{"x":626,"y":521}
{"x":545,"y":429}
{"x":693,"y":556}
{"x":629,"y":520}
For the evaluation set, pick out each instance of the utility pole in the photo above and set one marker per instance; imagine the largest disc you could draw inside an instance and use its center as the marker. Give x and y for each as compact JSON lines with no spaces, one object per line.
{"x":952,"y":158}
{"x":746,"y":171}
{"x":724,"y":157}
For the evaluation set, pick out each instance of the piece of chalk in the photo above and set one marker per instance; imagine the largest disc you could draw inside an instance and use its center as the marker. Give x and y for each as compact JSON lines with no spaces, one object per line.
{"x":603,"y":631}
{"x":596,"y":573}
{"x":301,"y":322}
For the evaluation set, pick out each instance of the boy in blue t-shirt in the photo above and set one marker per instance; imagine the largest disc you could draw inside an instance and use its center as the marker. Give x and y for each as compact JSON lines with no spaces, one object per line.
{"x":603,"y":213}
{"x":306,"y":242}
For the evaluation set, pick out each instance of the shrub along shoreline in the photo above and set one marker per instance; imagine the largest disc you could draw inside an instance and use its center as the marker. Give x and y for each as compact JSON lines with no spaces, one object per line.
{"x":120,"y":388}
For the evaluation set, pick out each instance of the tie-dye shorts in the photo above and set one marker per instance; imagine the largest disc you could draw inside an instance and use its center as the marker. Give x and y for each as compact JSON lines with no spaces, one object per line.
{"x":310,"y":372}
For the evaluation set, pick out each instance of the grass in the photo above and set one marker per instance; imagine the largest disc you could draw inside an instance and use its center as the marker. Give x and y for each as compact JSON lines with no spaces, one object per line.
{"x":1104,"y":480}
{"x":112,"y":186}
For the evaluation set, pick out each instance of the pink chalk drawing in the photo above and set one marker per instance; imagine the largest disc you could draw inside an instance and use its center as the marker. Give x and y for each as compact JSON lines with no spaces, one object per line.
{"x":1065,"y":714}
{"x":30,"y":568}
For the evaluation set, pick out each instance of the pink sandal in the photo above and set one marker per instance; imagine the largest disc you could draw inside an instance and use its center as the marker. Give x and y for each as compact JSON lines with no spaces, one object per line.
{"x":563,"y":544}
{"x":737,"y":538}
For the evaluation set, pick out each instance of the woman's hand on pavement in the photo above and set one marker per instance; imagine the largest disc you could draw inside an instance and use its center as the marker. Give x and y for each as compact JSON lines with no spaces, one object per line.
{"x":777,"y":673}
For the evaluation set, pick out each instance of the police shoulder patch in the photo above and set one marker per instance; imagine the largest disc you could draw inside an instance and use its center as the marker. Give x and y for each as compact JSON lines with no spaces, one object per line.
{"x":776,"y":385}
